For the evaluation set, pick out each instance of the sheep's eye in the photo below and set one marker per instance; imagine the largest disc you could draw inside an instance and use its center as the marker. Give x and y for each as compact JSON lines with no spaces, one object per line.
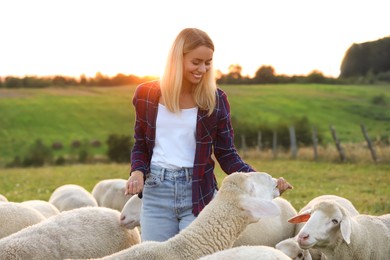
{"x":300,"y":255}
{"x":335,"y":221}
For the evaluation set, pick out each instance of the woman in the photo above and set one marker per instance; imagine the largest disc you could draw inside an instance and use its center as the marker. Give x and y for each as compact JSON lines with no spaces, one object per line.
{"x":180,"y":121}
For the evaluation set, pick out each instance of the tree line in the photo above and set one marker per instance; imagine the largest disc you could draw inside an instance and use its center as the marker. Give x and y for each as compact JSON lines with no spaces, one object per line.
{"x":366,"y":63}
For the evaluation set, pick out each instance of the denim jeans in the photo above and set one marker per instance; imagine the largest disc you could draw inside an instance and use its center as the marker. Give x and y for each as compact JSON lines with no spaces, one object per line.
{"x":167,"y":203}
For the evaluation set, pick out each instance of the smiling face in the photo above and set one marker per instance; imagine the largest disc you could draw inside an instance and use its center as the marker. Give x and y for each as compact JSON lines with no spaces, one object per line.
{"x":195,"y":64}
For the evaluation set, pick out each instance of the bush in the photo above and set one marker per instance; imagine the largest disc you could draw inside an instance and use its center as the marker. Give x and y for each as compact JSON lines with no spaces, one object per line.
{"x":37,"y":155}
{"x":119,"y":148}
{"x":379,"y":100}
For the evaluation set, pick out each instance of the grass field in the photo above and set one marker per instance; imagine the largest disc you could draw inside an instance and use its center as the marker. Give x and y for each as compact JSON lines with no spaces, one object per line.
{"x":92,"y":113}
{"x":366,"y":185}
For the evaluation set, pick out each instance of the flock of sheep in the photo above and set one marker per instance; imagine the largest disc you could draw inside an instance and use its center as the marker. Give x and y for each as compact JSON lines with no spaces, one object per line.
{"x":246,"y":220}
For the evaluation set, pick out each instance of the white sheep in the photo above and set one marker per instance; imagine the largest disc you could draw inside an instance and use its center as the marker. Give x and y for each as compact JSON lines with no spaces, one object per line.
{"x":331,"y":229}
{"x":269,"y":231}
{"x":276,"y":228}
{"x":110,"y":193}
{"x":46,"y":208}
{"x":71,"y":196}
{"x":242,"y":199}
{"x":16,"y":216}
{"x":3,"y":198}
{"x":131,"y":212}
{"x":79,"y":233}
{"x":291,"y":247}
{"x":248,"y":253}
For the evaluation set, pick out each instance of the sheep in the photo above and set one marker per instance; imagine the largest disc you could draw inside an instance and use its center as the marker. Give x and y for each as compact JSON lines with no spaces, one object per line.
{"x":331,"y":229}
{"x":248,"y":253}
{"x":271,"y":230}
{"x":3,"y":198}
{"x":242,"y":199}
{"x":46,"y":208}
{"x":130,"y":218}
{"x":291,"y":247}
{"x":110,"y":193}
{"x":79,"y":233}
{"x":71,"y":196}
{"x":131,"y":212}
{"x":15,"y":216}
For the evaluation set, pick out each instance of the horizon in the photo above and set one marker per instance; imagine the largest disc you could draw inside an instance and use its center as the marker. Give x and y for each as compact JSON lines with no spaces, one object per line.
{"x":73,"y":38}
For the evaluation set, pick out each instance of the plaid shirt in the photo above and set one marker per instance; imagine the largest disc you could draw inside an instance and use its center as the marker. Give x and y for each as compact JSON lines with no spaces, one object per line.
{"x":213,"y":132}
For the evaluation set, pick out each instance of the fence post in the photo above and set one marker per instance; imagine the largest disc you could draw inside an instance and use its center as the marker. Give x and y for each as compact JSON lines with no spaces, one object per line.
{"x":275,"y":144}
{"x":293,"y":142}
{"x":338,"y":145}
{"x":372,"y":150}
{"x":315,"y":143}
{"x":259,"y":144}
{"x":243,"y":144}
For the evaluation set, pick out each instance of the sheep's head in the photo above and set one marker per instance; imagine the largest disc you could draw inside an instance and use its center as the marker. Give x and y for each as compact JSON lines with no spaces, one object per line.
{"x":291,"y":248}
{"x":257,"y":191}
{"x":325,"y":221}
{"x":130,"y":214}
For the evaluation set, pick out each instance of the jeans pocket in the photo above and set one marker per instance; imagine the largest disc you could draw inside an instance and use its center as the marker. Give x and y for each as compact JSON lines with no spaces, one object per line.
{"x":152,"y":181}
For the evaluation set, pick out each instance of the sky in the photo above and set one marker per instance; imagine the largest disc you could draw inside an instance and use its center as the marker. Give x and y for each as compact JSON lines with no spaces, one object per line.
{"x":74,"y":37}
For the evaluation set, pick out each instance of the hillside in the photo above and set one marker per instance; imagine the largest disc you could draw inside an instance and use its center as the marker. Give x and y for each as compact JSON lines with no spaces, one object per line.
{"x":88,"y":114}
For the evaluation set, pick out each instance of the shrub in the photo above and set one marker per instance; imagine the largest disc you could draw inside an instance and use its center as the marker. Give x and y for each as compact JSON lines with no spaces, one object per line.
{"x":38,"y":154}
{"x":119,"y":148}
{"x":379,"y":100}
{"x":60,"y":161}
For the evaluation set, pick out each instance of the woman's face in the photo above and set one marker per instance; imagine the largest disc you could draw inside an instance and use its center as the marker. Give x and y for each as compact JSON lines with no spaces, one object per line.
{"x":196,"y":63}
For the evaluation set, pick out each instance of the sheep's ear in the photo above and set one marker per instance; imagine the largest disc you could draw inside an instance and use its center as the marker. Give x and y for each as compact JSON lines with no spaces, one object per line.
{"x":346,"y":229}
{"x":303,"y":217}
{"x":259,"y":208}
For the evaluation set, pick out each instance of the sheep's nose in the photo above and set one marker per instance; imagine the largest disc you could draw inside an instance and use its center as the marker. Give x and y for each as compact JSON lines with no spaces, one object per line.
{"x":123,"y":218}
{"x":302,"y":237}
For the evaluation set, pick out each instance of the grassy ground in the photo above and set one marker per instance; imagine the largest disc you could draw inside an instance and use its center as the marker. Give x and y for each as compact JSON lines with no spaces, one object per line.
{"x":365,"y":184}
{"x":93,"y":113}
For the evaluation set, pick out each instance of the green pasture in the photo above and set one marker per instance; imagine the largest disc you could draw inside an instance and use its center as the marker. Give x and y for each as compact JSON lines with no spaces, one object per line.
{"x":86,"y":114}
{"x":365,"y":184}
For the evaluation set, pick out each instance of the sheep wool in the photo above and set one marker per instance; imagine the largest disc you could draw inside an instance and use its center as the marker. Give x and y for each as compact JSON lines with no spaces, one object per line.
{"x":80,"y":233}
{"x":248,"y":253}
{"x":16,"y":216}
{"x":44,"y":207}
{"x":242,"y":199}
{"x":269,"y":231}
{"x":71,"y":196}
{"x":3,"y":198}
{"x":110,"y":193}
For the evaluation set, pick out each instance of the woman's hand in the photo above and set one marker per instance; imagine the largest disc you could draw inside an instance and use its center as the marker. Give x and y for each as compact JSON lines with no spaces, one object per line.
{"x":135,"y":183}
{"x":283,"y":185}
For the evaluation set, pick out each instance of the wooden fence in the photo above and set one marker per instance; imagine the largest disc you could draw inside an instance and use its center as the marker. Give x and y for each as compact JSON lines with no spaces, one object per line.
{"x":294,"y":147}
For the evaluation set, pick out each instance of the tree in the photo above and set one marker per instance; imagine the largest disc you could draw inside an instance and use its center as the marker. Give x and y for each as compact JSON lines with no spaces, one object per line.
{"x":265,"y":74}
{"x":316,"y":76}
{"x":365,"y":58}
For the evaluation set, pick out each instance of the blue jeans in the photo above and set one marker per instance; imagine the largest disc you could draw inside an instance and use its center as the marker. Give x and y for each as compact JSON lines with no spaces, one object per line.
{"x":166,"y":203}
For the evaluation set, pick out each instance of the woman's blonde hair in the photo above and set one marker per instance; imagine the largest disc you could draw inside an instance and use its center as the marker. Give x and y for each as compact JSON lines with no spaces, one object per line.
{"x":171,"y":81}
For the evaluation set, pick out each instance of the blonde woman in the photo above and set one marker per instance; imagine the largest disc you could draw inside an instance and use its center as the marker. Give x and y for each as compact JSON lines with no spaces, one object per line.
{"x":181,"y":120}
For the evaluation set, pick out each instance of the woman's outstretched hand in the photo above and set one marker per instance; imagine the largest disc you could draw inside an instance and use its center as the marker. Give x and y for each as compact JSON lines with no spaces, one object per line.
{"x":283,"y":185}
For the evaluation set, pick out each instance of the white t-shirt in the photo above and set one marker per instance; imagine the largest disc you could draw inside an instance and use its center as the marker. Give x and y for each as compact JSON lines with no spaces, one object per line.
{"x":175,"y":138}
